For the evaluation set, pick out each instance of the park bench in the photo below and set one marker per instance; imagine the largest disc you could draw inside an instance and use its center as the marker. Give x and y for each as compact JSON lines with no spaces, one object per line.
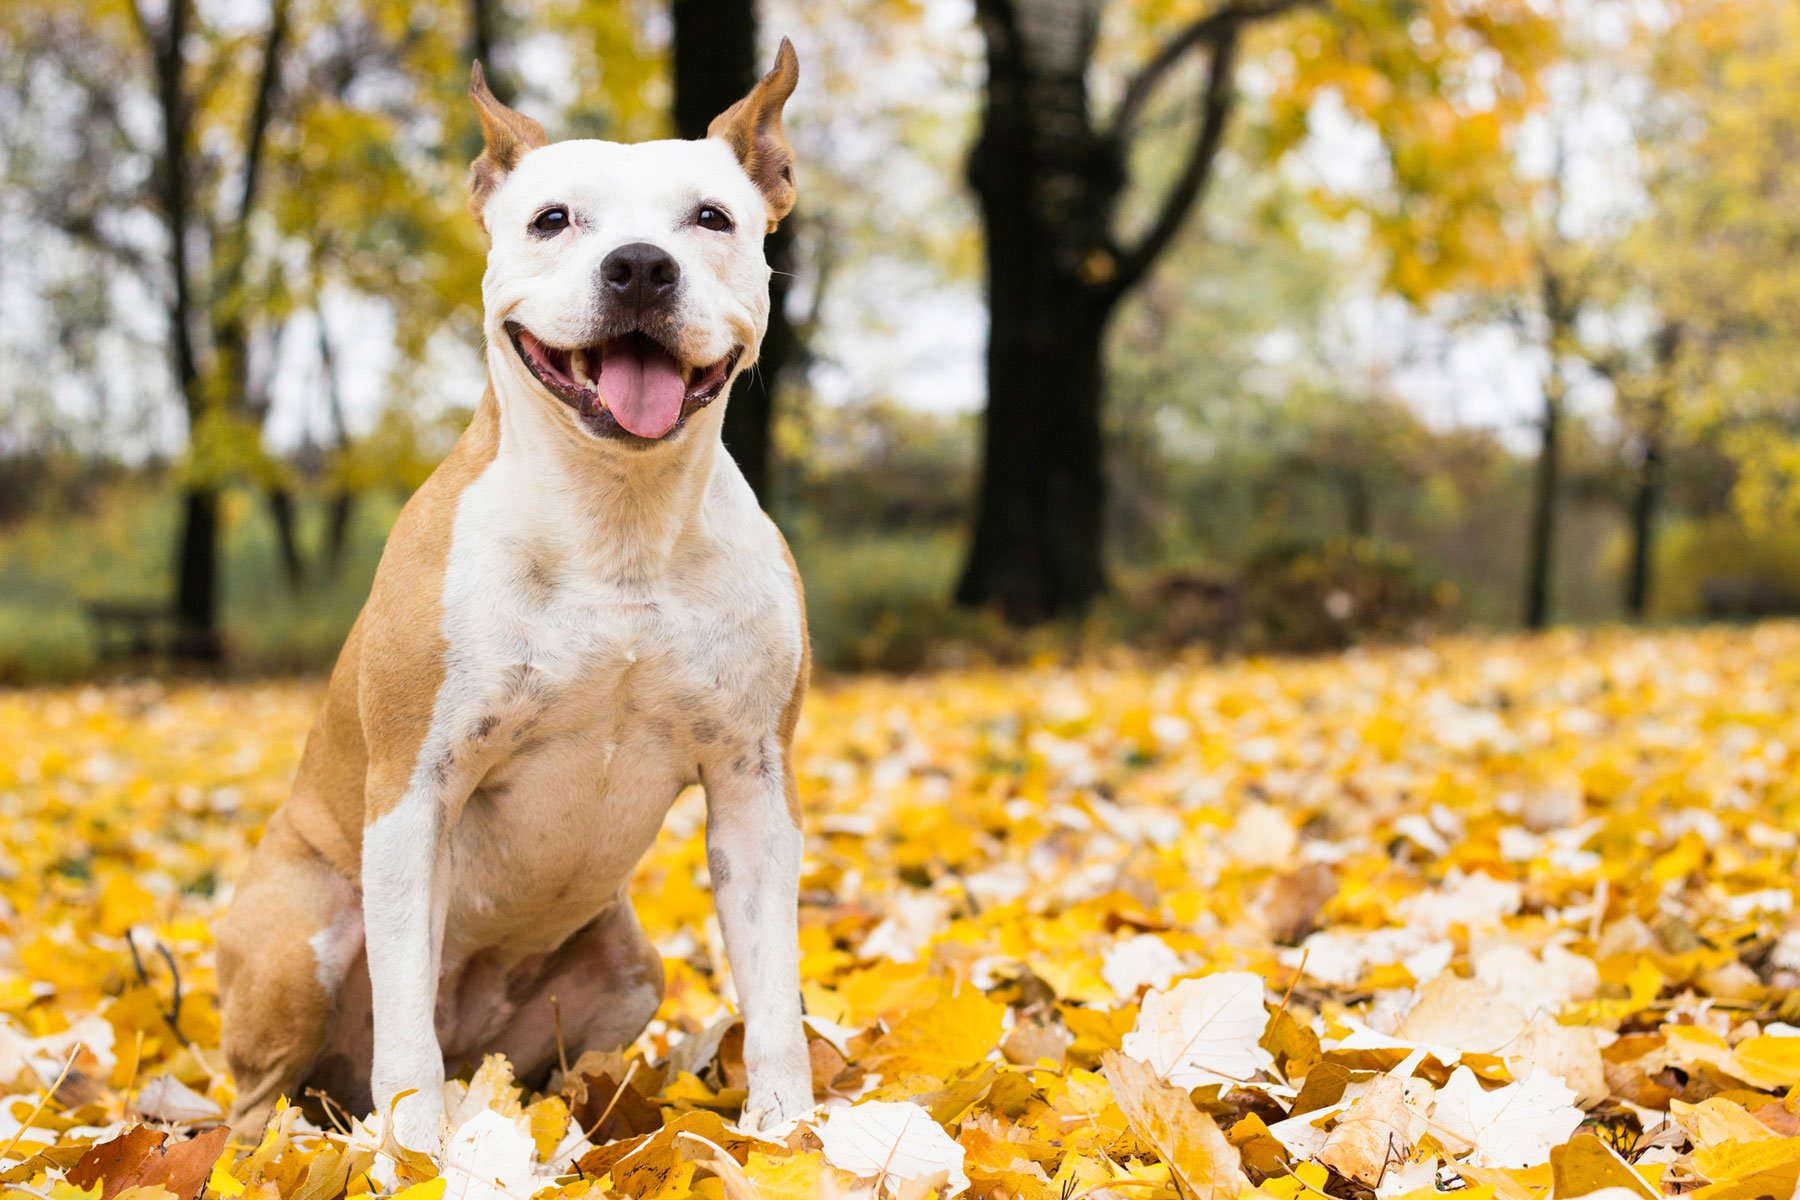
{"x":1746,"y":598}
{"x":132,"y":629}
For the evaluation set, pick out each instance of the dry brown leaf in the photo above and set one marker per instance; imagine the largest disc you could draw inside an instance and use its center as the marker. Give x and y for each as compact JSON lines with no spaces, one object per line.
{"x":607,"y":1108}
{"x":827,"y":1064}
{"x":138,"y":1158}
{"x":1186,"y":1139}
{"x":1377,"y":1132}
{"x":1295,"y":1047}
{"x":1295,"y":900}
{"x":1034,"y":1040}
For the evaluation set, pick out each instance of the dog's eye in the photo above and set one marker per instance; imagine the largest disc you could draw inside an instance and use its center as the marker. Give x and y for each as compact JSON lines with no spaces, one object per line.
{"x":712,"y":217}
{"x":551,"y":220}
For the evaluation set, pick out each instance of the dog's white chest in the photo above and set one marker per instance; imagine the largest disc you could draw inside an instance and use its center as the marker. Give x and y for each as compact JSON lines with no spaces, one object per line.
{"x":581,"y":704}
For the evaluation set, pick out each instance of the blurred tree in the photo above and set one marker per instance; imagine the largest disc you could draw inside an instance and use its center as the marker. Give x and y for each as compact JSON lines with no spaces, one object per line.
{"x":1708,"y":268}
{"x":1644,"y":391}
{"x":1218,"y":369}
{"x":716,"y":61}
{"x":1721,"y":251}
{"x":1360,"y":448}
{"x":1049,"y":177}
{"x":1559,"y":303}
{"x":292,"y":151}
{"x":485,"y":18}
{"x":240,"y":103}
{"x":1460,"y":212}
{"x":878,"y":467}
{"x":206,"y":389}
{"x":1648,"y":478}
{"x":1689,"y":287}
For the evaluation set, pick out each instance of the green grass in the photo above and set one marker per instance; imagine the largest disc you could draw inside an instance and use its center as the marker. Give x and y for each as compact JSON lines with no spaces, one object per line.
{"x":875,"y":600}
{"x":122,"y":548}
{"x":880,"y":600}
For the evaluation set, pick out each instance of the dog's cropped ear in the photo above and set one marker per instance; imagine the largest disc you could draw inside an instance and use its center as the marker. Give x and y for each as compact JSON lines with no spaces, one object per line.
{"x":752,"y":128}
{"x":508,"y":136}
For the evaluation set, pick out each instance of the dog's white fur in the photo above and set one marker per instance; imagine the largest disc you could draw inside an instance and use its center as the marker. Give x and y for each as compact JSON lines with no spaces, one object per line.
{"x":615,"y":622}
{"x":621,"y":194}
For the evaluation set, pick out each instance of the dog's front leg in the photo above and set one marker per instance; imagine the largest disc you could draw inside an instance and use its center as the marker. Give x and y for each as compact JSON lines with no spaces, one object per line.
{"x":753,"y":849}
{"x":404,"y":871}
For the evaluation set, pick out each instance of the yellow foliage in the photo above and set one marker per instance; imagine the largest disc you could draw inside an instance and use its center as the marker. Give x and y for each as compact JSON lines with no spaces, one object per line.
{"x":940,"y":1039}
{"x":1595,"y":832}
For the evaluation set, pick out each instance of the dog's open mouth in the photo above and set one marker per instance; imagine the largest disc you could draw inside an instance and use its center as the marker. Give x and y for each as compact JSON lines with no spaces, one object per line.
{"x":624,"y":386}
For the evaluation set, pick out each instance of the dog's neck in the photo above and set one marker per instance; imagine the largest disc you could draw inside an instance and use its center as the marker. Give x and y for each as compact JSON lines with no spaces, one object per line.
{"x":624,"y":509}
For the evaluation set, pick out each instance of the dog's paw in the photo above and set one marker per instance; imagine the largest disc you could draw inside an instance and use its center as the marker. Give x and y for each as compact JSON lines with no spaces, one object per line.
{"x":417,"y":1120}
{"x":775,"y":1110}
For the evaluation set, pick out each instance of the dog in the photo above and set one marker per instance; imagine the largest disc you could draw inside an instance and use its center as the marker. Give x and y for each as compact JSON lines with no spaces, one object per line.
{"x":582,"y":612}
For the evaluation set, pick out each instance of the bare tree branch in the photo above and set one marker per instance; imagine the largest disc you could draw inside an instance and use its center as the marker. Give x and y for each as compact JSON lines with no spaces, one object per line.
{"x":268,"y":85}
{"x":167,"y":57}
{"x":1216,"y":102}
{"x":1207,"y":29}
{"x":231,"y":334}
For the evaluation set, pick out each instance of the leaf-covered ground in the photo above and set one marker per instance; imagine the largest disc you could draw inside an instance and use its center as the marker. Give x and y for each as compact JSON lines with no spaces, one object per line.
{"x":1513,"y":917}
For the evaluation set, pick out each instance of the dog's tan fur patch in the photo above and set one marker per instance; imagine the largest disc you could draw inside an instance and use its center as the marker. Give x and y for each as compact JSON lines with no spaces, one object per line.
{"x":752,"y":128}
{"x":507,"y":136}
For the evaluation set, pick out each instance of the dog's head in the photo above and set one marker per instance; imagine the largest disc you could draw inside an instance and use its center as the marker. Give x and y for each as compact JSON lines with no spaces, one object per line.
{"x":626,"y":284}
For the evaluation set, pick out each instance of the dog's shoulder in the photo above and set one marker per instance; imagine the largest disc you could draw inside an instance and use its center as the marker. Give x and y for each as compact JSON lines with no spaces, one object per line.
{"x":401,"y":646}
{"x":742,"y":564}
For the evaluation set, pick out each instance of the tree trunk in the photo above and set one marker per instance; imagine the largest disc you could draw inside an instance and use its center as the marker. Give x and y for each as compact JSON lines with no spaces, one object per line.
{"x":342,"y":502}
{"x":1540,"y":549}
{"x":337,"y":529}
{"x":1648,"y":496}
{"x":1037,"y":548}
{"x":715,"y":64}
{"x":749,"y":430}
{"x":197,"y":554}
{"x":287,"y":537}
{"x":1359,"y":506}
{"x":1643,"y":527}
{"x":483,"y":36}
{"x":1546,"y":482}
{"x":196,"y":573}
{"x":197,"y":578}
{"x":1047,"y":184}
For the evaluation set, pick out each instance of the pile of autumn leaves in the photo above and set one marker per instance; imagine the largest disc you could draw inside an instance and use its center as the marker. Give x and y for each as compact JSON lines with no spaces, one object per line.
{"x":1508,"y":917}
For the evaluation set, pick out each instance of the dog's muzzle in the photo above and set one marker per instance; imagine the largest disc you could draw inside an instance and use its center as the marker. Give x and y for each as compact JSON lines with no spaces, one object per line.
{"x":631,"y":386}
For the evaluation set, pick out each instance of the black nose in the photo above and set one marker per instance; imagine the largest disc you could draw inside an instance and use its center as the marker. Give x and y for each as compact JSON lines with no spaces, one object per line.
{"x":640,"y":274}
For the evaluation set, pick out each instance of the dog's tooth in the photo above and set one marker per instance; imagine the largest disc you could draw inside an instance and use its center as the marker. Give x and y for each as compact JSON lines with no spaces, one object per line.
{"x":578,"y":366}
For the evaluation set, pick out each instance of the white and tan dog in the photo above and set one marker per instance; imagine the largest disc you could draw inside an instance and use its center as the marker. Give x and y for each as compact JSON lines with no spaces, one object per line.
{"x":581,"y":613}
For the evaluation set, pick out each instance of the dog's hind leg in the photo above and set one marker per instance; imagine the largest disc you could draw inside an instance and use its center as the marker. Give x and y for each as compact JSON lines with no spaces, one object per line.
{"x":596,"y":992}
{"x":284,"y":948}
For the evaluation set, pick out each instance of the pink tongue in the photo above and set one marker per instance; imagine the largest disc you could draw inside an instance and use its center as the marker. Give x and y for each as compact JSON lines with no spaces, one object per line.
{"x":643,"y":389}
